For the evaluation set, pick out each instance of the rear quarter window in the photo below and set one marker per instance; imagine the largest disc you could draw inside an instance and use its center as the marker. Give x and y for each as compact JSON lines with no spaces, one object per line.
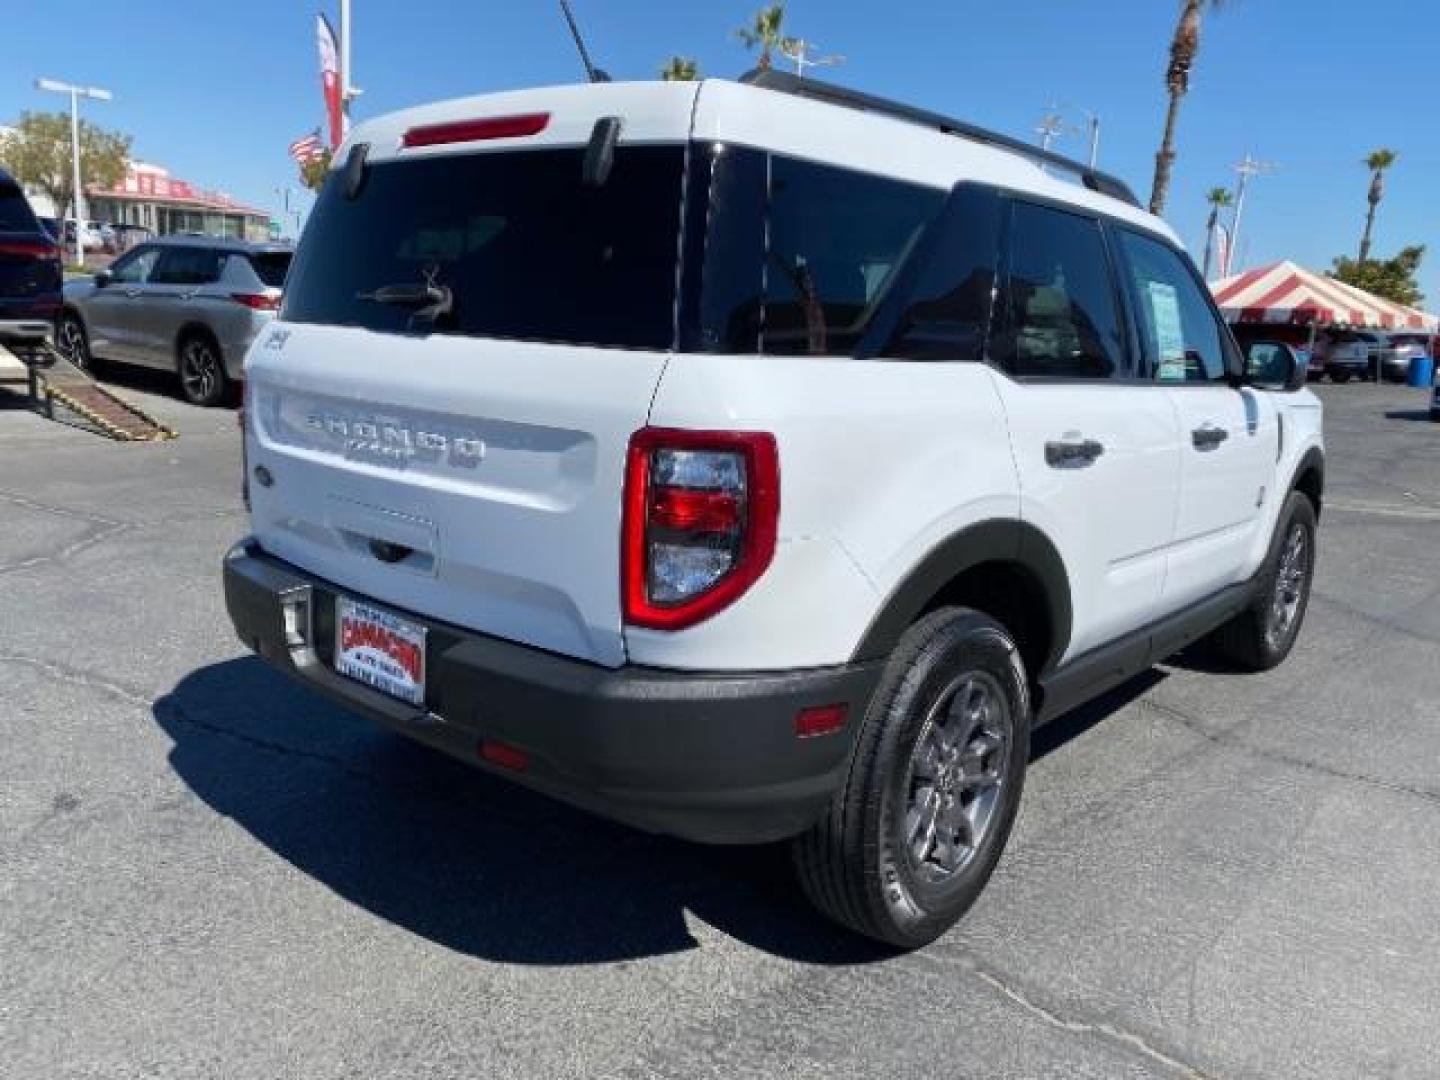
{"x":271,"y":267}
{"x":528,"y":250}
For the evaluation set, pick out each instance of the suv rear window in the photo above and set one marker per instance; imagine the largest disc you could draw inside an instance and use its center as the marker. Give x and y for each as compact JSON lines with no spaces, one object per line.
{"x":271,"y":267}
{"x":528,"y":250}
{"x":15,"y":215}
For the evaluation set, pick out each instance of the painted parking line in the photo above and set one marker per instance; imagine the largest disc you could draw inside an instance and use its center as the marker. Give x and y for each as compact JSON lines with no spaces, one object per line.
{"x":1418,"y":513}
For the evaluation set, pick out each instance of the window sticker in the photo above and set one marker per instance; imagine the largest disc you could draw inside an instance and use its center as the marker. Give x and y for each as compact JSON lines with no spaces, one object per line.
{"x":1169,"y":333}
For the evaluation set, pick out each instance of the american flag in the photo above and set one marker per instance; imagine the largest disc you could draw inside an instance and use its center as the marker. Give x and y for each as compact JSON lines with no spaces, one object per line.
{"x":307,"y":148}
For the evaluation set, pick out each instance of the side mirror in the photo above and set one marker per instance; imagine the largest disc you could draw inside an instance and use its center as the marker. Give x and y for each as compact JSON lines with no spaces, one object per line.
{"x":103,"y":278}
{"x":1273,"y":365}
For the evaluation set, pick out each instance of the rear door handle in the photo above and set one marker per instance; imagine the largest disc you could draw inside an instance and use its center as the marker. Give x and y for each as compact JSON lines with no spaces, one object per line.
{"x":132,"y":293}
{"x":1208,"y":437}
{"x":1073,"y":452}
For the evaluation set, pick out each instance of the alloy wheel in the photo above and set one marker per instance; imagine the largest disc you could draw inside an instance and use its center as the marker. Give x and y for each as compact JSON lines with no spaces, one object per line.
{"x":70,"y":341}
{"x":200,"y":371}
{"x":1289,"y":590}
{"x":957,"y":769}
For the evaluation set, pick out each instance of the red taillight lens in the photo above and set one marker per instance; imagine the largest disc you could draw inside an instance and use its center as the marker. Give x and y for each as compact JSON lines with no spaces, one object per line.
{"x":702,"y":510}
{"x":35,"y":249}
{"x":495,"y":127}
{"x":257,"y":301}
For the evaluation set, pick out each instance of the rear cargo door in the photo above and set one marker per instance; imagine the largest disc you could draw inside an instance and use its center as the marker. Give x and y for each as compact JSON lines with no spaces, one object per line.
{"x":454,"y":447}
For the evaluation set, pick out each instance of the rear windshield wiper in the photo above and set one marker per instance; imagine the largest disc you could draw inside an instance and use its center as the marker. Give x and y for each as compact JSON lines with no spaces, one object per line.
{"x":432,"y":302}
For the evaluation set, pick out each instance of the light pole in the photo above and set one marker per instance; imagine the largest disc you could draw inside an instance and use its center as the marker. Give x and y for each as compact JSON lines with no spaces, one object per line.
{"x":348,"y":93}
{"x":800,"y":52}
{"x":1246,"y":169}
{"x":76,"y":93}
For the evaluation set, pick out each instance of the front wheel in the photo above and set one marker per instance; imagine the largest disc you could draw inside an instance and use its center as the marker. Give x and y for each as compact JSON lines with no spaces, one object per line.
{"x":1339,"y":375}
{"x":72,"y":343}
{"x":1262,"y":635}
{"x":912,"y":837}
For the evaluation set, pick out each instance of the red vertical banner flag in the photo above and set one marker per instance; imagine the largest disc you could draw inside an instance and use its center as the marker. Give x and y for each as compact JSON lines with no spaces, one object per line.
{"x":330,"y":79}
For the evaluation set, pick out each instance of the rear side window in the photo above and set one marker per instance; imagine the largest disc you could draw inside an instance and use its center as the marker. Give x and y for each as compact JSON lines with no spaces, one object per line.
{"x":15,"y":214}
{"x":1061,"y":316}
{"x":527,"y":249}
{"x":837,"y":240}
{"x":795,"y":258}
{"x":187,"y":266}
{"x":1180,"y":332}
{"x":271,"y":267}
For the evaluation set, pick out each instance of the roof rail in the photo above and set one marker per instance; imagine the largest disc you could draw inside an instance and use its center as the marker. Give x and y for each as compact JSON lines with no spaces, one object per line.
{"x":785,"y":83}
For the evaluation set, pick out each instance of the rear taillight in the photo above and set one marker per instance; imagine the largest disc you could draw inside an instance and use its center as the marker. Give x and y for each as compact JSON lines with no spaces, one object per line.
{"x":491,"y":127}
{"x":244,"y":450}
{"x":35,"y":249}
{"x":257,"y":301}
{"x":702,"y":509}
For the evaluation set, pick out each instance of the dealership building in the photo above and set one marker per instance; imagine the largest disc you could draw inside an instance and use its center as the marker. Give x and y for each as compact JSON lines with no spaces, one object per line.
{"x":150,"y":197}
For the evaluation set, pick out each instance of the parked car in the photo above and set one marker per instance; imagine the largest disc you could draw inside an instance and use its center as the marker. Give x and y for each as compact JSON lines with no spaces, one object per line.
{"x":191,"y":306}
{"x":1350,"y":353}
{"x":50,"y":225}
{"x":90,"y":235}
{"x":789,"y":530}
{"x":30,"y":271}
{"x":1403,"y":347}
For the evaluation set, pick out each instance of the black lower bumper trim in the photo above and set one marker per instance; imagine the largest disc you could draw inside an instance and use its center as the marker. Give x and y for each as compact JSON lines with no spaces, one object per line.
{"x":708,"y":757}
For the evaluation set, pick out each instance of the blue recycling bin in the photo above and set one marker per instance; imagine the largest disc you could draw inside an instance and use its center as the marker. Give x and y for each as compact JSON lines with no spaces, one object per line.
{"x":1422,"y":371}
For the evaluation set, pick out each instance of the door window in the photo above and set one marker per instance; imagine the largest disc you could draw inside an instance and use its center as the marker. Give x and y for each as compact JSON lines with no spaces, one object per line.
{"x":1061,"y":319}
{"x":187,"y":266}
{"x":1181,"y":335}
{"x":134,"y":268}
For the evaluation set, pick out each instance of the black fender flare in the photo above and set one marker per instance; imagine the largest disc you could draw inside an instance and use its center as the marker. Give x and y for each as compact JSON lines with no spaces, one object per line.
{"x":999,"y":540}
{"x":1313,"y":460}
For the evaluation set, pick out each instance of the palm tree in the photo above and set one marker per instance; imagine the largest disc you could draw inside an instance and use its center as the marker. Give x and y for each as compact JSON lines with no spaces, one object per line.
{"x":1377,"y":163}
{"x":765,"y":32}
{"x":1183,"y":49}
{"x":680,"y":69}
{"x":1219,"y":198}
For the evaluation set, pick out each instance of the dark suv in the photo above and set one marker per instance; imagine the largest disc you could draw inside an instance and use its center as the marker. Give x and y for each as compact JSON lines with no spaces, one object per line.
{"x":30,"y":272}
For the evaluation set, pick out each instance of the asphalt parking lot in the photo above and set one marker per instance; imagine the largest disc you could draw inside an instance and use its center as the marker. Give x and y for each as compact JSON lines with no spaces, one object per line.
{"x":207,"y":872}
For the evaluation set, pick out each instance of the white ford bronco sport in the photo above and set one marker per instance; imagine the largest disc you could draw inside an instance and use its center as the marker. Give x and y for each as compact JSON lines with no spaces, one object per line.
{"x":757,"y":461}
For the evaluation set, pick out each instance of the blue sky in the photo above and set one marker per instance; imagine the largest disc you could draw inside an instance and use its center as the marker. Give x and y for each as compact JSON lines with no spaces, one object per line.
{"x":215,"y":90}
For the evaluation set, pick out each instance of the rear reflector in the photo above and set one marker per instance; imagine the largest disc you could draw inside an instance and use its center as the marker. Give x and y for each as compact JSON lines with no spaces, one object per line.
{"x":495,"y":127}
{"x":821,"y":720}
{"x":504,"y":755}
{"x":257,"y":301}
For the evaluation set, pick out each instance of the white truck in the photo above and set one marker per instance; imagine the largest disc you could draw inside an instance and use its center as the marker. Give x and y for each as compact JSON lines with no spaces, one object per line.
{"x":757,"y":461}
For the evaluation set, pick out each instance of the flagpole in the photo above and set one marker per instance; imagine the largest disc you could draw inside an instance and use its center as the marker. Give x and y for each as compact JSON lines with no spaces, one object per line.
{"x":345,"y":61}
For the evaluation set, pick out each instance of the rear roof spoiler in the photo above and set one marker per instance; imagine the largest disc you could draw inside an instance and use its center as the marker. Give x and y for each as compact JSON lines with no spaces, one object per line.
{"x":785,"y":83}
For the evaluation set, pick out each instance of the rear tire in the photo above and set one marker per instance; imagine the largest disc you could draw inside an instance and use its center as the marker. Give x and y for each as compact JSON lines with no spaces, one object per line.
{"x":912,"y":837}
{"x":1262,"y":635}
{"x":1339,"y":375}
{"x":202,"y":371}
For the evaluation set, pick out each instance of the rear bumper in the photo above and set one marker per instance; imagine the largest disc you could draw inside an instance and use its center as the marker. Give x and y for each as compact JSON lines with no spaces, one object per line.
{"x":712,"y":758}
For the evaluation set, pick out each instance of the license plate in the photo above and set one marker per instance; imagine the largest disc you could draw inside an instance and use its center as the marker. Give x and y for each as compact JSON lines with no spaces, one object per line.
{"x":380,"y":649}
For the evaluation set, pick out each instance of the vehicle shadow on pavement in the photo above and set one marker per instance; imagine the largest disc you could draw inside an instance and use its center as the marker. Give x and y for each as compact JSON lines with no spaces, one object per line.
{"x":1072,"y":725}
{"x":461,"y":858}
{"x":1409,"y":414}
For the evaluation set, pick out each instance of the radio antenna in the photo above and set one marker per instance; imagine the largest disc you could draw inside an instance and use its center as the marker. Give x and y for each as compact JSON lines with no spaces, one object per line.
{"x":594,"y":74}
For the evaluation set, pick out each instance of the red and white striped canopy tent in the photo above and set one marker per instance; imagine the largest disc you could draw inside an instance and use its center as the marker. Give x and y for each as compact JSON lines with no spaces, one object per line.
{"x":1286,"y":293}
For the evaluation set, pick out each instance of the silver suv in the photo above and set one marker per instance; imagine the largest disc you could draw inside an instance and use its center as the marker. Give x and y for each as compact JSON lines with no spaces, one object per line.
{"x":187,"y":305}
